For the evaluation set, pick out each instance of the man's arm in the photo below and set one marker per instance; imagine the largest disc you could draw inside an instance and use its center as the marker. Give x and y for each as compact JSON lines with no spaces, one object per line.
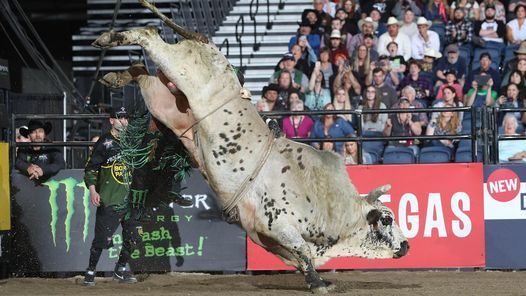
{"x":21,"y":162}
{"x":57,"y":163}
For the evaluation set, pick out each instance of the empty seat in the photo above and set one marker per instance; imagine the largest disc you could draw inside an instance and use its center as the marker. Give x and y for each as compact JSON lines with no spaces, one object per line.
{"x":435,"y":154}
{"x":463,"y":154}
{"x":398,"y":155}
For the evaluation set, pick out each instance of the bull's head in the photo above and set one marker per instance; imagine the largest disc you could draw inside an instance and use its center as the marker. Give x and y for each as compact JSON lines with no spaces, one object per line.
{"x":383,"y":237}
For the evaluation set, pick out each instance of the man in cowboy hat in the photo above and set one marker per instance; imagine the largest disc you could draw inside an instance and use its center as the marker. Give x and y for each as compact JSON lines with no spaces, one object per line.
{"x":306,"y":29}
{"x":368,"y":26}
{"x":38,"y":162}
{"x":393,"y":34}
{"x":423,"y":39}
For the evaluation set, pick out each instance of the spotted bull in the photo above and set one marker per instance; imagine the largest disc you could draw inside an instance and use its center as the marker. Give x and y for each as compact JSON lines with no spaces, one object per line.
{"x":293,"y":200}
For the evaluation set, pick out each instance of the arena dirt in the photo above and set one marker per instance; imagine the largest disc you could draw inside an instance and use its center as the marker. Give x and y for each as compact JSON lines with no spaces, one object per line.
{"x":448,"y":283}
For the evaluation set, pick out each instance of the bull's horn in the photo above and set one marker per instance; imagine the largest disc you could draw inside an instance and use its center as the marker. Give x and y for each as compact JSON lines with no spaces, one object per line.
{"x":376,"y":193}
{"x":178,"y":29}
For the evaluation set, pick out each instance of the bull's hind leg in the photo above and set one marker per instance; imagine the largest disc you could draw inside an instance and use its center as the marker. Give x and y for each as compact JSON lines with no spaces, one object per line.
{"x":120,"y":79}
{"x":136,"y":36}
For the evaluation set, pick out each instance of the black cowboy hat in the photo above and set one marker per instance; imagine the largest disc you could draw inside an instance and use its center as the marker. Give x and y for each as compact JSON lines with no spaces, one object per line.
{"x":272,"y":86}
{"x":34,"y":124}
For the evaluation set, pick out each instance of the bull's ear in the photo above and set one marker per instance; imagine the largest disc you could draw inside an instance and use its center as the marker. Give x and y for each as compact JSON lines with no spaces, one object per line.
{"x":373,"y":216}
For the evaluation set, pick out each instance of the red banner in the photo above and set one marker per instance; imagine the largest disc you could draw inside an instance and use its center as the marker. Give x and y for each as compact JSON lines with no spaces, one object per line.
{"x":439,"y":207}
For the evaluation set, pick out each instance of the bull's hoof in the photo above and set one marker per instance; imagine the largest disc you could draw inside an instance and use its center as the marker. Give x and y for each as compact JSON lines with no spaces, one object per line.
{"x":330,"y":286}
{"x":106,"y":40}
{"x":320,"y":287}
{"x":320,"y":290}
{"x":116,"y":80}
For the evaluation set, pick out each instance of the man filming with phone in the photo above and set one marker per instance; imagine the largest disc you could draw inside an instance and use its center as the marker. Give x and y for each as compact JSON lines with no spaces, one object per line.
{"x":481,"y":92}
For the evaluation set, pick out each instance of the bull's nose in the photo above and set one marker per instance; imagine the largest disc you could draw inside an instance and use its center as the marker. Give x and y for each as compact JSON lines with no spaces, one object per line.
{"x":404,"y":247}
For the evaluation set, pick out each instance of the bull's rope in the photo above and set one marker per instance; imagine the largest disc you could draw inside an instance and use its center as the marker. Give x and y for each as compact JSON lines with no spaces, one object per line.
{"x":233,"y":216}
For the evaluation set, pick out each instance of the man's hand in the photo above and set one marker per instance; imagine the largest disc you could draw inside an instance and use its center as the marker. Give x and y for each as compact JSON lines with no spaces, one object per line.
{"x":34,"y":172}
{"x":170,"y":85}
{"x":95,"y":197}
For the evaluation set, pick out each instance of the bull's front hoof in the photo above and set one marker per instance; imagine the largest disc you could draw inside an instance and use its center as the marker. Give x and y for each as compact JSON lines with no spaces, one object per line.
{"x":106,"y":40}
{"x":116,"y":80}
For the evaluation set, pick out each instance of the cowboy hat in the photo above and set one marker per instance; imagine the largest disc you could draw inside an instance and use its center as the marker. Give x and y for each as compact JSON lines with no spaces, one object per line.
{"x":431,"y":52}
{"x":392,"y":21}
{"x":336,"y":34}
{"x":34,"y":124}
{"x":367,"y":20}
{"x":521,"y":50}
{"x":423,"y":21}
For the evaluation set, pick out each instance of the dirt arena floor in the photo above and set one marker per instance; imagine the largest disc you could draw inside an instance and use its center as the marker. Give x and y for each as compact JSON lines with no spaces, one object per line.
{"x":449,"y":283}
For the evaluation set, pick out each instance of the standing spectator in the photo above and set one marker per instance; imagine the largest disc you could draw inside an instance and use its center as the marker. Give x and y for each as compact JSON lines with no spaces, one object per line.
{"x":39,"y":163}
{"x":424,"y":39}
{"x":500,"y":14}
{"x":318,"y":95}
{"x":471,"y":9}
{"x":368,"y":26}
{"x":511,"y":151}
{"x":403,"y":124}
{"x":393,"y":34}
{"x":451,"y":61}
{"x":459,"y":31}
{"x":314,"y":40}
{"x":408,"y":26}
{"x":386,"y":93}
{"x":108,"y":192}
{"x":297,"y":126}
{"x":330,"y":126}
{"x":402,"y":6}
{"x":373,"y":122}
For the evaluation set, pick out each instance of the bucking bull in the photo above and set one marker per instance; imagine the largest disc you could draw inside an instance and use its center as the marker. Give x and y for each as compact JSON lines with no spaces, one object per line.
{"x":293,"y":200}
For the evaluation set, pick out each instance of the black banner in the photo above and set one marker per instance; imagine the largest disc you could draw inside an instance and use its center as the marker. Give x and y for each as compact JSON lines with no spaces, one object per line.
{"x":4,"y":75}
{"x":54,"y":224}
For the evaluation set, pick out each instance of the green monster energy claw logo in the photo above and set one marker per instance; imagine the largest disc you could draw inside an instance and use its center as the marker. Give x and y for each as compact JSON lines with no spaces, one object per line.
{"x":69,"y":186}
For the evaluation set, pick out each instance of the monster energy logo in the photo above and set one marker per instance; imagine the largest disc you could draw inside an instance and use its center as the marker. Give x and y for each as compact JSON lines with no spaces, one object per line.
{"x":69,"y":186}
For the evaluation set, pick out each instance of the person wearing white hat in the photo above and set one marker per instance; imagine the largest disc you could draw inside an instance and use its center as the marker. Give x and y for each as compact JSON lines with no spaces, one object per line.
{"x":424,"y":39}
{"x":393,"y":34}
{"x":367,"y":26}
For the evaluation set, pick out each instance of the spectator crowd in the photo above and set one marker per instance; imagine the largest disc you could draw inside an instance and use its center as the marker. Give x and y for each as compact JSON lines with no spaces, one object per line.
{"x":397,"y":54}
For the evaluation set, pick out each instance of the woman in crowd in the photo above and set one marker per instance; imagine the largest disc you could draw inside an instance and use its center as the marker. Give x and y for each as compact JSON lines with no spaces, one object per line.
{"x":297,"y":126}
{"x":318,"y":96}
{"x":327,"y":68}
{"x":330,"y":126}
{"x":373,"y":122}
{"x":350,"y":154}
{"x":342,"y":102}
{"x":511,"y":99}
{"x":285,"y":86}
{"x":361,"y":64}
{"x":447,"y":123}
{"x":437,"y":11}
{"x":517,"y":78}
{"x":451,"y":80}
{"x":449,"y":98}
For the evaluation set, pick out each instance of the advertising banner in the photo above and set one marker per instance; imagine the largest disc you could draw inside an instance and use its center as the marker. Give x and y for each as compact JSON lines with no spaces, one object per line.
{"x":55,"y":221}
{"x":438,"y":207}
{"x":5,"y":208}
{"x":505,"y":215}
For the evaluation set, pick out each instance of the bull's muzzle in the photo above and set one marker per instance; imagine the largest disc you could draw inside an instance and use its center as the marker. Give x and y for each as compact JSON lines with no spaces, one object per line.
{"x":404,"y":248}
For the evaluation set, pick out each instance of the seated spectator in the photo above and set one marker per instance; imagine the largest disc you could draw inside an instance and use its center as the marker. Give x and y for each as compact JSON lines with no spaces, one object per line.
{"x":367,"y":26}
{"x":392,"y":78}
{"x":491,"y":30}
{"x":373,"y":122}
{"x":270,"y":99}
{"x":368,"y":41}
{"x":422,"y":84}
{"x":511,"y":100}
{"x":393,"y":34}
{"x":520,"y":67}
{"x":459,"y":31}
{"x":346,"y":80}
{"x":350,"y":154}
{"x":361,"y":65}
{"x":446,"y":123}
{"x":305,"y":29}
{"x":511,"y":150}
{"x":424,"y":39}
{"x":471,"y":9}
{"x":512,"y":5}
{"x":449,"y":98}
{"x":349,"y":13}
{"x":325,"y":11}
{"x":377,"y":17}
{"x":342,"y":101}
{"x":403,"y":124}
{"x":384,"y":7}
{"x":297,"y":126}
{"x":304,"y":56}
{"x":312,"y":18}
{"x":408,"y":26}
{"x":451,"y":80}
{"x":409,"y":93}
{"x":386,"y":93}
{"x":397,"y":63}
{"x":298,"y":79}
{"x":336,"y":24}
{"x":481,"y":95}
{"x":403,"y":6}
{"x":518,"y":79}
{"x":318,"y":96}
{"x":500,"y":10}
{"x":330,"y":126}
{"x":485,"y":68}
{"x":39,"y":163}
{"x":328,"y":69}
{"x":451,"y":61}
{"x":515,"y":32}
{"x":428,"y":64}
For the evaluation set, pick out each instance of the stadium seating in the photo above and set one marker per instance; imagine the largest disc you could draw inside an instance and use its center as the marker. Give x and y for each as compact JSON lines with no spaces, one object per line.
{"x":398,"y":155}
{"x":435,"y":154}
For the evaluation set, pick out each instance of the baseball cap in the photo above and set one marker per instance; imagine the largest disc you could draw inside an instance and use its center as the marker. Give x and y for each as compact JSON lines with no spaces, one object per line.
{"x":119,"y":113}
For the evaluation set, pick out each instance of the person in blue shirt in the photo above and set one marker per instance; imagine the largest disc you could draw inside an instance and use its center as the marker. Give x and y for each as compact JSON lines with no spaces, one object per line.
{"x":331,"y":126}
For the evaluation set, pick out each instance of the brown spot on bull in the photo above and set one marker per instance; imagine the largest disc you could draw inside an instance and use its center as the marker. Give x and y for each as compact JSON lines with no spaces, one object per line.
{"x":285,"y":169}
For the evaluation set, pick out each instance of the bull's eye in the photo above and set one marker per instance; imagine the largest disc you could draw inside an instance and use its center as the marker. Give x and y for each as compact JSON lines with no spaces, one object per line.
{"x":387,"y":220}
